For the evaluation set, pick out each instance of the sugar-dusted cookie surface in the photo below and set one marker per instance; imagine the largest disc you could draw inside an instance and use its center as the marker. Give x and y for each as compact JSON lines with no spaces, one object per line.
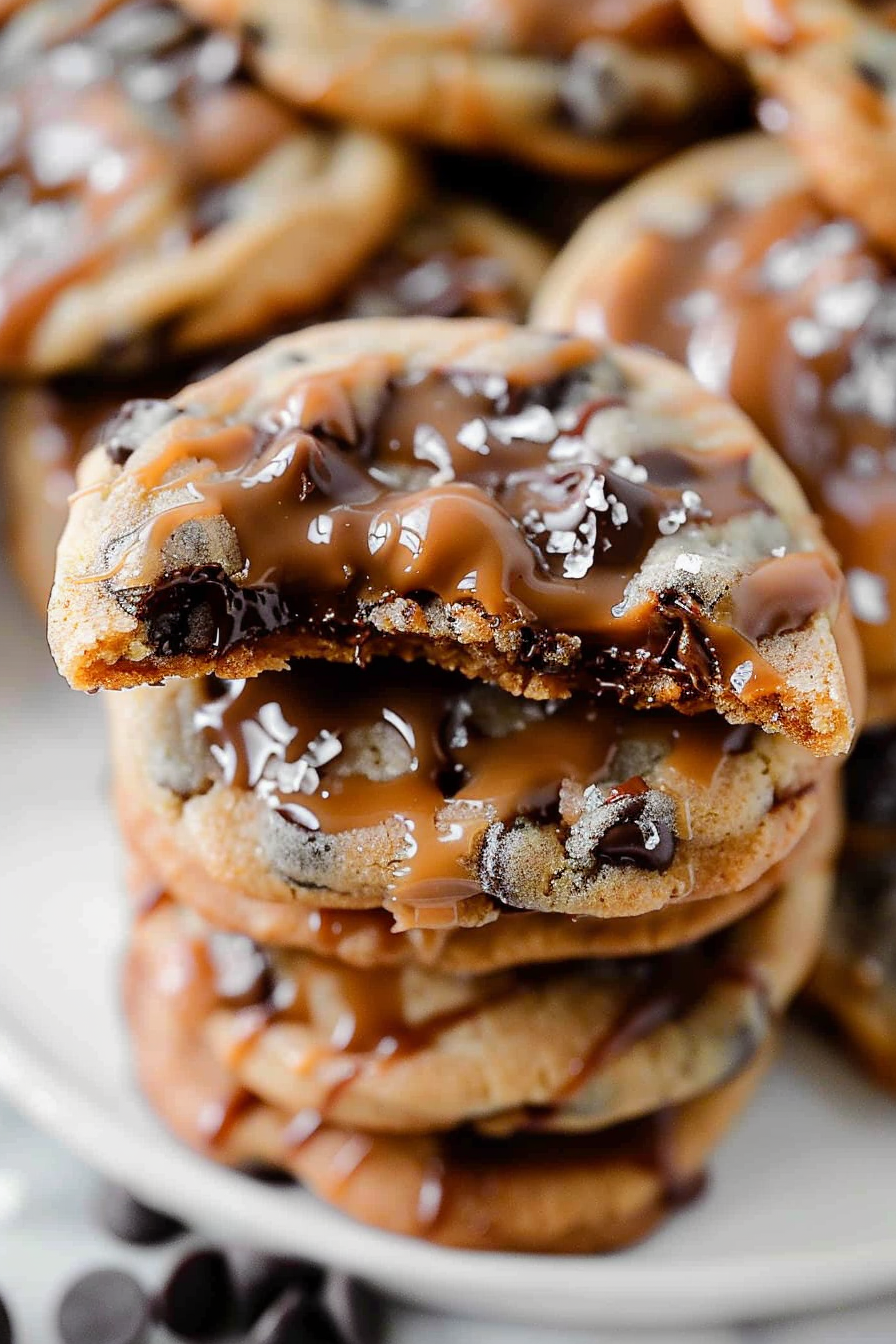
{"x":580,"y":89}
{"x":542,"y":512}
{"x":155,"y":202}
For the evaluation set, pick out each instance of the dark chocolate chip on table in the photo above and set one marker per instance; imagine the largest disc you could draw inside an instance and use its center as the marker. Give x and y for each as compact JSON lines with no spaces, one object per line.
{"x":106,"y":1306}
{"x":195,"y":1300}
{"x":266,"y":1174}
{"x":6,"y":1331}
{"x":257,"y":1280}
{"x":354,"y":1308}
{"x":294,"y":1319}
{"x":129,"y":1220}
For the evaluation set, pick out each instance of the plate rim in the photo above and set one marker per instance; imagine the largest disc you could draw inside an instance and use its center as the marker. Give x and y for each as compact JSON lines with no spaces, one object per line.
{"x":619,"y":1293}
{"x":589,"y":1291}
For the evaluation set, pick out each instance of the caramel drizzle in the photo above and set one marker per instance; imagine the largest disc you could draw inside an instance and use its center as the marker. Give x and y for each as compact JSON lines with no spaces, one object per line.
{"x":372,"y":1034}
{"x":290,"y":737}
{"x":447,"y":493}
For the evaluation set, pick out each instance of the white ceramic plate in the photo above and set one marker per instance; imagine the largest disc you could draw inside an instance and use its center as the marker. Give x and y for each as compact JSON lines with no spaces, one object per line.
{"x":801,"y":1212}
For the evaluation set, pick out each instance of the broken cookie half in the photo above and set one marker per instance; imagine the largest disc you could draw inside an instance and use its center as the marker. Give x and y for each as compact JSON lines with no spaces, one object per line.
{"x":538,"y":511}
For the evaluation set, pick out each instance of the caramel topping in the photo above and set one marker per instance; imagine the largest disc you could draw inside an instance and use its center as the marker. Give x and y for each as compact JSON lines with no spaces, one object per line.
{"x":110,"y":147}
{"x":793,"y":314}
{"x":504,"y":496}
{"x":335,"y":748}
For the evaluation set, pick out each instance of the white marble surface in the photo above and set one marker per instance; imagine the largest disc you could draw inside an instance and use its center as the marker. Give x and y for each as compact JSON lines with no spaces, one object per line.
{"x":48,"y":1237}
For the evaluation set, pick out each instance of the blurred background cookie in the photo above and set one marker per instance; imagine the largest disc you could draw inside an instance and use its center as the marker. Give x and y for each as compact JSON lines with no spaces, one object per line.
{"x":827,"y":70}
{"x":854,"y":983}
{"x":726,"y":260}
{"x":594,"y":90}
{"x":155,"y":202}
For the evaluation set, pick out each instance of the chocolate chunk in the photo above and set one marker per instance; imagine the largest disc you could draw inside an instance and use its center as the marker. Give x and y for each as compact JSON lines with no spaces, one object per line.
{"x":200,"y":610}
{"x":134,"y":423}
{"x":129,"y":1220}
{"x":266,"y":1174}
{"x":635,"y":840}
{"x":355,"y":1309}
{"x":872,"y":75}
{"x":195,"y":1300}
{"x":106,"y":1306}
{"x":292,"y":1319}
{"x":6,"y":1331}
{"x":257,"y":1280}
{"x":633,"y":826}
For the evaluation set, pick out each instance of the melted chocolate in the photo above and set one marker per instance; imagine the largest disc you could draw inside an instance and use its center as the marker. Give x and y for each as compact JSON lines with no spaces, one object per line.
{"x":635,"y":839}
{"x":792,"y":313}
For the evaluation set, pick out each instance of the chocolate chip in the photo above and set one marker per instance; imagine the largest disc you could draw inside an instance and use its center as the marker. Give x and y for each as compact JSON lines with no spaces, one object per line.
{"x":195,"y":1300}
{"x":292,"y":1319}
{"x":638,"y":838}
{"x":134,"y":423}
{"x":257,"y":1280}
{"x":200,"y":611}
{"x":595,"y":94}
{"x":266,"y":1174}
{"x":6,"y":1331}
{"x":355,"y":1309}
{"x":106,"y":1306}
{"x":129,"y":1220}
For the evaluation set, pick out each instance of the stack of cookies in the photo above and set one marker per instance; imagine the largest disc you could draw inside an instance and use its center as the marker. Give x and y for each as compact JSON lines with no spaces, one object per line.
{"x":476,"y":767}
